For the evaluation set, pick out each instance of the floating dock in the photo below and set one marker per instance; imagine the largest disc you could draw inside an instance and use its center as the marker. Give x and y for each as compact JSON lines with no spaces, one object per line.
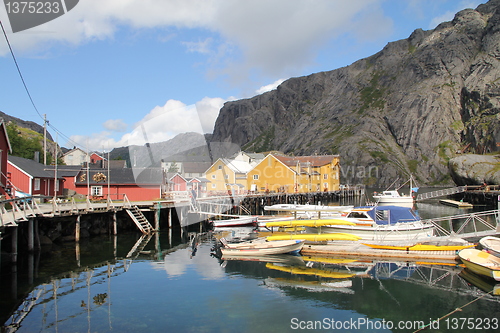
{"x":457,"y":204}
{"x":355,"y":249}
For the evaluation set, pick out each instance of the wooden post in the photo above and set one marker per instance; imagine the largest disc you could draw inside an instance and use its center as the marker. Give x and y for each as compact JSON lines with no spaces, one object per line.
{"x":37,"y":235}
{"x":77,"y":228}
{"x":157,"y":216}
{"x":31,"y":237}
{"x":115,"y":227}
{"x":170,"y":218}
{"x":14,"y":244}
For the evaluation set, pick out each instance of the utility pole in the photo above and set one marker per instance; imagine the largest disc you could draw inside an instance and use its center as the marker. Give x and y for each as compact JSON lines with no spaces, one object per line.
{"x":44,"y":139}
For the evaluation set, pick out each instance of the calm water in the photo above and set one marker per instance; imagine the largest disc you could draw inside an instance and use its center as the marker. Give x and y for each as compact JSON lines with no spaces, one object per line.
{"x":175,"y":285}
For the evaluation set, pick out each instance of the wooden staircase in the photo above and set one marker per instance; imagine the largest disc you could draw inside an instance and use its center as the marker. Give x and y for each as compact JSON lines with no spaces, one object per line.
{"x":140,"y":220}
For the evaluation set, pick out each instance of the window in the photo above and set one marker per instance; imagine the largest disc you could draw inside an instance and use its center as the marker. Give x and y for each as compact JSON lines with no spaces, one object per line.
{"x":213,"y":176}
{"x":37,"y":184}
{"x":220,"y":167}
{"x":226,"y":176}
{"x":214,"y":185}
{"x":96,"y":191}
{"x":325,"y":176}
{"x":255,"y":177}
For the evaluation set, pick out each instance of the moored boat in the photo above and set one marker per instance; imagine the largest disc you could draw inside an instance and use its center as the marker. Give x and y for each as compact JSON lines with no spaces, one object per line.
{"x":237,"y":222}
{"x":308,"y":223}
{"x":481,"y":262}
{"x":420,"y":247}
{"x":315,"y":237}
{"x":381,"y":223}
{"x":261,"y":247}
{"x":491,"y":245}
{"x":393,"y":197}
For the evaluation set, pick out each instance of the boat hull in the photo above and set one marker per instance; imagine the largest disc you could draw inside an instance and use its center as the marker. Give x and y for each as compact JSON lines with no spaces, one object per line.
{"x":263,"y":248}
{"x":239,"y":222}
{"x":398,"y":231}
{"x":420,"y":247}
{"x":491,"y":245}
{"x":316,"y":237}
{"x":481,"y":263}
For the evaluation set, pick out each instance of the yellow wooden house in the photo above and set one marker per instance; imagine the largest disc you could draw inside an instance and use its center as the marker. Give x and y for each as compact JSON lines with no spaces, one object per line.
{"x":295,"y":174}
{"x":228,"y":175}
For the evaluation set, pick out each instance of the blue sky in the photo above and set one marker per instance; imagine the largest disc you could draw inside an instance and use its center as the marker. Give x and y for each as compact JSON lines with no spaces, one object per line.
{"x":110,"y":67}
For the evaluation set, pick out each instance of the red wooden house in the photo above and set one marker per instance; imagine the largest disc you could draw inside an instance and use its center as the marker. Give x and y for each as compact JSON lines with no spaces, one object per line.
{"x":32,"y":178}
{"x":179,"y":183}
{"x":5,"y":149}
{"x":136,"y":184}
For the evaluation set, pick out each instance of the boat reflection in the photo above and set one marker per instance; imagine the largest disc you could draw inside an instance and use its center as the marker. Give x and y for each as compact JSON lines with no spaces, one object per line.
{"x":487,"y":285}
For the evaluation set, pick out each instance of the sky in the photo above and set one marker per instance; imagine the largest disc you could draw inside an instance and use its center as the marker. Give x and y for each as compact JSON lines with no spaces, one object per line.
{"x":112,"y":73}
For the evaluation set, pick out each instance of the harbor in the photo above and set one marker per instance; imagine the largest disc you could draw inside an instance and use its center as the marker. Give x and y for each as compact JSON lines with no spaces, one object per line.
{"x":83,"y":291}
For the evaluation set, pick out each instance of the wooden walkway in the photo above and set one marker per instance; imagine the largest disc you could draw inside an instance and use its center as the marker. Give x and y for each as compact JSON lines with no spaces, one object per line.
{"x":23,"y":211}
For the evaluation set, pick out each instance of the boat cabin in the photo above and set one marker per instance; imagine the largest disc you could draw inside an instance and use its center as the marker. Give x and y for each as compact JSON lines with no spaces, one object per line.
{"x":384,"y":214}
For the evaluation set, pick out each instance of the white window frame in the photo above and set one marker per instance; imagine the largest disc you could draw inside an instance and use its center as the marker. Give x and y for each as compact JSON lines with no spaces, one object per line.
{"x":36,"y":184}
{"x":96,"y":191}
{"x":256,"y":177}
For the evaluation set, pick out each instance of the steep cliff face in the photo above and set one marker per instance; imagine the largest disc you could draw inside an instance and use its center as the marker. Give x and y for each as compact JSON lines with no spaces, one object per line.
{"x":407,"y":109}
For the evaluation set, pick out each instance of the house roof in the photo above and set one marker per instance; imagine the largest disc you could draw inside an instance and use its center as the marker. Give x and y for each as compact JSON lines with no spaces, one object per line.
{"x":32,"y":168}
{"x":305,"y":161}
{"x":2,"y":124}
{"x":237,"y":166}
{"x":64,"y":170}
{"x":75,"y":149}
{"x":121,"y":176}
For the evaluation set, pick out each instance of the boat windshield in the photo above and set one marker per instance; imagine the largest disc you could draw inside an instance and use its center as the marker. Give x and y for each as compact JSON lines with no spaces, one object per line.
{"x":392,"y":214}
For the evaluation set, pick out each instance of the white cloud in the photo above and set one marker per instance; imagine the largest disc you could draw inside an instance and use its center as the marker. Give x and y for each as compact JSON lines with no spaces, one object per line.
{"x":208,"y":110}
{"x":200,"y":46}
{"x":160,"y":124}
{"x":269,"y":87}
{"x":115,"y":125}
{"x":276,"y":37}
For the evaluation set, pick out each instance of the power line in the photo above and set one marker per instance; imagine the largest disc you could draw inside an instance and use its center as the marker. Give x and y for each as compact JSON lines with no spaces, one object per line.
{"x":19,"y":71}
{"x":28,"y":92}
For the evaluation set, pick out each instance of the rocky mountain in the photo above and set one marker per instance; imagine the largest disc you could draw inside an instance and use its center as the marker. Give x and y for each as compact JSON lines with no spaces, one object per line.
{"x":151,"y":154}
{"x":406,"y":110}
{"x":24,"y":123}
{"x":473,"y":169}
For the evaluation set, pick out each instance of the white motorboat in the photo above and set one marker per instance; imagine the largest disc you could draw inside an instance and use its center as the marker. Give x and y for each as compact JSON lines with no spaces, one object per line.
{"x":236,"y":222}
{"x":381,"y":223}
{"x":393,"y":197}
{"x":261,"y":247}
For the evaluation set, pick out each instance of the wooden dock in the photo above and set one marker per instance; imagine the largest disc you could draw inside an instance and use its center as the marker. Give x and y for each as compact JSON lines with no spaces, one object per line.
{"x":456,"y":204}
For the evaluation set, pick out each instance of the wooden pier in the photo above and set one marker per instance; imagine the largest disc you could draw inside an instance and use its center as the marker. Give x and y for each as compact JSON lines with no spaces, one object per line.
{"x":456,"y":204}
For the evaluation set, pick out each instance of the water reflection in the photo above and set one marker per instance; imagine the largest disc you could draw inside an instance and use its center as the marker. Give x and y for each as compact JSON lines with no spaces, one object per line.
{"x":172,"y":281}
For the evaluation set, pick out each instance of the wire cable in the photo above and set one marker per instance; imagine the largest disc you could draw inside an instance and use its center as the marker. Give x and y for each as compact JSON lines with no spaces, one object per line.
{"x":74,"y":143}
{"x":19,"y":70}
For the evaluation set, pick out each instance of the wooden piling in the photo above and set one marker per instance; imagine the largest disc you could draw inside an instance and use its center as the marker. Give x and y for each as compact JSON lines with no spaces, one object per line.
{"x":157,"y":216}
{"x":31,"y":236}
{"x":115,"y":227}
{"x":77,"y":228}
{"x":14,"y":244}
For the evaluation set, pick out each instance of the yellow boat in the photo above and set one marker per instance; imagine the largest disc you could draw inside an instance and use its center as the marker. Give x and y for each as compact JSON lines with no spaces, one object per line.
{"x":308,"y":223}
{"x":311,"y":271}
{"x":316,"y":237}
{"x":481,"y":263}
{"x":420,"y":247}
